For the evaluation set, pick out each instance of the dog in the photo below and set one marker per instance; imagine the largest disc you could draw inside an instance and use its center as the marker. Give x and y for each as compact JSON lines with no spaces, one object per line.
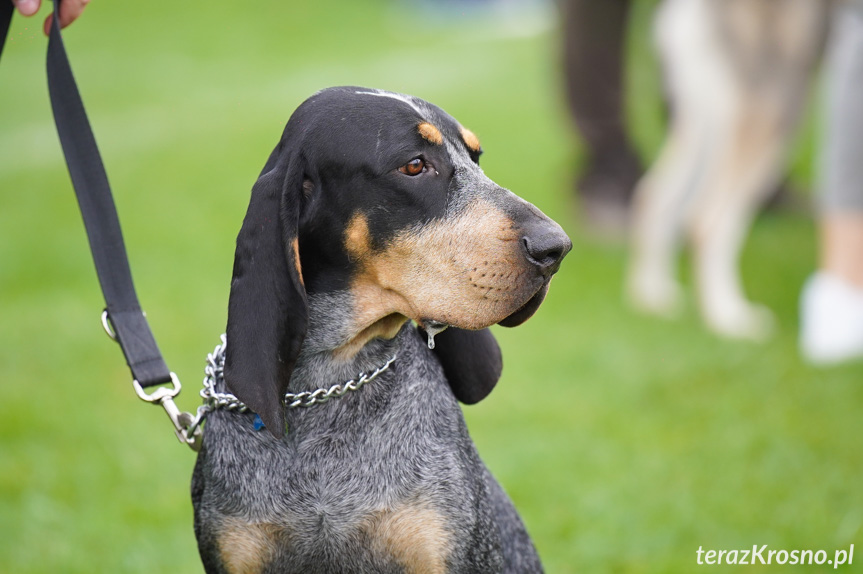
{"x":736,"y":73}
{"x":370,"y":229}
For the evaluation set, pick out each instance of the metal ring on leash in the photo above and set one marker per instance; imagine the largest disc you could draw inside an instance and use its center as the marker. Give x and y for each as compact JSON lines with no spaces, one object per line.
{"x":106,"y":324}
{"x":187,"y":426}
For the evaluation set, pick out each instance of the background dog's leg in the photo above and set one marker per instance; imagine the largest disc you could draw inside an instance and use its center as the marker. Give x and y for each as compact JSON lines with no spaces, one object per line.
{"x":657,"y":218}
{"x":745,"y":172}
{"x":662,"y":196}
{"x":769,"y":50}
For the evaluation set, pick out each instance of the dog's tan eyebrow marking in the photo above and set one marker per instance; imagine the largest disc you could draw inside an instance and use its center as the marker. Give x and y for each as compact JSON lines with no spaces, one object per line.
{"x":469,"y":138}
{"x":430,"y":133}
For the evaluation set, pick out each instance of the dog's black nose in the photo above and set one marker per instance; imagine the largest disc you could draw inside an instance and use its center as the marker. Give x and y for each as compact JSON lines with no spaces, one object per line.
{"x":546,"y":247}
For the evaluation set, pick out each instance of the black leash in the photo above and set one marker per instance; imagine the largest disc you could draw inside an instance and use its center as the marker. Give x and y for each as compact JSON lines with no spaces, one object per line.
{"x":128,"y":324}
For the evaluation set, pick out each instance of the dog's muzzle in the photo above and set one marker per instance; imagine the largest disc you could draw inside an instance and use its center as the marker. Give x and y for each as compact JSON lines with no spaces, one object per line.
{"x":545,"y":245}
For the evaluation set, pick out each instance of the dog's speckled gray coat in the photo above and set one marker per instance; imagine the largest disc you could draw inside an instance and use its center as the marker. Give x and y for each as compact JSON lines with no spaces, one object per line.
{"x":400,"y":438}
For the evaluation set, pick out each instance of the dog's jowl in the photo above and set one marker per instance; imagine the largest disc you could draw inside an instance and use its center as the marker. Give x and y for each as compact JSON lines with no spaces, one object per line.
{"x":370,"y":224}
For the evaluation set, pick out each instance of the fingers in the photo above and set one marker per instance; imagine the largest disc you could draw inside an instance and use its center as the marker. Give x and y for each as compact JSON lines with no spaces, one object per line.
{"x":69,"y":12}
{"x":27,"y":7}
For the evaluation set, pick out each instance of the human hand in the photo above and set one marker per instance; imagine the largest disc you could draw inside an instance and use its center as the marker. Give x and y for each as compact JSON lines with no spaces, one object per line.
{"x":69,"y":11}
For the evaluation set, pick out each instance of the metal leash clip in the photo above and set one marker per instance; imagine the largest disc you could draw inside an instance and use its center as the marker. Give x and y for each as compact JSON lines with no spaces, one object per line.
{"x":187,"y":426}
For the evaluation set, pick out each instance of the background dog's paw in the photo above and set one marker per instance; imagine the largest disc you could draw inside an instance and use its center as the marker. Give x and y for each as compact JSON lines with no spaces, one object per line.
{"x":656,"y":295}
{"x":742,"y":320}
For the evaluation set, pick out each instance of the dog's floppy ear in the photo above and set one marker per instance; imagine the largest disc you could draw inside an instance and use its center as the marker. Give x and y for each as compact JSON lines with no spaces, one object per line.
{"x":471,"y":361}
{"x":267,"y":309}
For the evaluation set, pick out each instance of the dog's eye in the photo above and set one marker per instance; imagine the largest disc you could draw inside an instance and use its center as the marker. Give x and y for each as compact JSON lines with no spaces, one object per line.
{"x":414,"y":167}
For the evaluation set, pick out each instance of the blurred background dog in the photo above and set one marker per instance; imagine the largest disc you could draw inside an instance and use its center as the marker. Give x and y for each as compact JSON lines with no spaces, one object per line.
{"x":737,"y":74}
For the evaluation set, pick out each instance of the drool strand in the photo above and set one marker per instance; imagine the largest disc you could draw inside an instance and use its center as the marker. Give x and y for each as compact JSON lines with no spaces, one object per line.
{"x":432,"y":328}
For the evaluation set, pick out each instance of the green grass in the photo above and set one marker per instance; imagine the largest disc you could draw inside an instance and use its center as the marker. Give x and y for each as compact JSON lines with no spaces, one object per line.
{"x":626,"y":442}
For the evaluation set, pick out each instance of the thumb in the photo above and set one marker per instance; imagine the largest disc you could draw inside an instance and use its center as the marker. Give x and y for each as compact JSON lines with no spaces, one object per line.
{"x":27,"y":7}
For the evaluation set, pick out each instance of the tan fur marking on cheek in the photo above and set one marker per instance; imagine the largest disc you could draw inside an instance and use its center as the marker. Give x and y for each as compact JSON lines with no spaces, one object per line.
{"x":414,"y":535}
{"x":470,"y":139}
{"x":469,"y":271}
{"x":296,"y":245}
{"x":357,"y":240}
{"x":246,"y":548}
{"x":430,"y":133}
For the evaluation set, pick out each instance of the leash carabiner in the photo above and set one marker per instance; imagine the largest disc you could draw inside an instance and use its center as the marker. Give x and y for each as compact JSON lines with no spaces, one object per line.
{"x":187,"y":427}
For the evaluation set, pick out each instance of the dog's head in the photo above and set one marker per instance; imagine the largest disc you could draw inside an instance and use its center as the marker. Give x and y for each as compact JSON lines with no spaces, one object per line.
{"x":381,"y":196}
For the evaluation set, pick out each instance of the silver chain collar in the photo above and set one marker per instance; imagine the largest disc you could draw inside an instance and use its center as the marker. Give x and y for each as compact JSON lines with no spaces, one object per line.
{"x":215,"y":370}
{"x":188,"y":426}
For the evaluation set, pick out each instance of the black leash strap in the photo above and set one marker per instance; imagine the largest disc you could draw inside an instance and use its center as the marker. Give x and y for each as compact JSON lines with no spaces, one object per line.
{"x":90,"y":181}
{"x":5,"y":20}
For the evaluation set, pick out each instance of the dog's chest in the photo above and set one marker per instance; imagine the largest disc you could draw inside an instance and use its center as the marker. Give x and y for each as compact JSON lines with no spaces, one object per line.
{"x":335,"y":509}
{"x":409,"y":537}
{"x":391,"y":495}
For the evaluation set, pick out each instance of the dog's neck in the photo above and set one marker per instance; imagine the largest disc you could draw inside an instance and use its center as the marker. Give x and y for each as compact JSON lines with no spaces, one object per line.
{"x":337,"y":347}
